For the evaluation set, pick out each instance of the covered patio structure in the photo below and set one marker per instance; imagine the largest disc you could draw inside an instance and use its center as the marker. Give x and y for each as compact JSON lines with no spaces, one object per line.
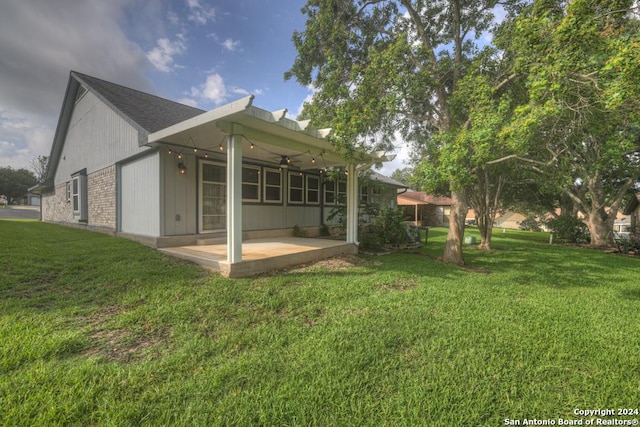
{"x":243,"y":133}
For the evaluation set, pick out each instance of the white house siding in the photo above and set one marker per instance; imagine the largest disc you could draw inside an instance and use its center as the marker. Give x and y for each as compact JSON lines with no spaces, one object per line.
{"x":265,"y":217}
{"x":97,"y":137}
{"x":140,"y":196}
{"x":180,"y":195}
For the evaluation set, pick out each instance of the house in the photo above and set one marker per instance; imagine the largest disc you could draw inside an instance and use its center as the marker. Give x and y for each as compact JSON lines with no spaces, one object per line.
{"x":423,"y":209}
{"x":632,"y":215}
{"x":509,"y":219}
{"x":166,"y":174}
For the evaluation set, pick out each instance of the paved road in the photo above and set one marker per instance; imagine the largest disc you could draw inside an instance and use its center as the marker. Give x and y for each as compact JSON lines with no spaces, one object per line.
{"x":20,"y":212}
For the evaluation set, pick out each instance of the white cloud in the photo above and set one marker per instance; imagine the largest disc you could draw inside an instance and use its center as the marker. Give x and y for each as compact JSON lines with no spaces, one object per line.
{"x":200,"y":14}
{"x":213,"y":89}
{"x":306,"y":100}
{"x":62,"y":36}
{"x":231,"y":45}
{"x":162,"y":55}
{"x":240,"y":91}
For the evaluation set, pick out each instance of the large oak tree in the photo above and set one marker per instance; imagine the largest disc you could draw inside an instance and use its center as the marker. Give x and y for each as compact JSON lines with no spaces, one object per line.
{"x":382,"y":66}
{"x":580,"y":129}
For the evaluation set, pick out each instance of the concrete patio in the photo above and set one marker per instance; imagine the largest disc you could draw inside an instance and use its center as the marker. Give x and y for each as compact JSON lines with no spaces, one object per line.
{"x":262,"y":255}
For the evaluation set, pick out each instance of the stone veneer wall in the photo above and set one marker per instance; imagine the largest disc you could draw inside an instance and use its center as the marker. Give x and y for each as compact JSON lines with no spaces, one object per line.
{"x":101,"y":193}
{"x":101,"y":186}
{"x":56,"y":207}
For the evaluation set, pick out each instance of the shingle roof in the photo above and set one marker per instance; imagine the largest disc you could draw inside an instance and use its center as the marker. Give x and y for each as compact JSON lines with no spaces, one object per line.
{"x":386,"y":180}
{"x":421,"y":198}
{"x":150,"y":112}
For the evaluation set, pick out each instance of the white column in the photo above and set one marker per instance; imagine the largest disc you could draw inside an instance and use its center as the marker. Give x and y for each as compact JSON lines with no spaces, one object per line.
{"x":352,"y":204}
{"x":234,"y":197}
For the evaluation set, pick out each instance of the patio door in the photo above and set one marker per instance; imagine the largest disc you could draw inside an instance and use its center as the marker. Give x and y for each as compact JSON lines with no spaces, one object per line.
{"x":213,"y":197}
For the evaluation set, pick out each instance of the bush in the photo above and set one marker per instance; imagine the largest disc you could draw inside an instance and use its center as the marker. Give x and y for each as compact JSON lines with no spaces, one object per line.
{"x":568,"y":229}
{"x":530,"y":224}
{"x":299,"y":232}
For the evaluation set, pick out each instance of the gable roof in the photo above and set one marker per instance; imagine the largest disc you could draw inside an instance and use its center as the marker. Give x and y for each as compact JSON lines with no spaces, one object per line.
{"x":145,"y":112}
{"x":149,"y":112}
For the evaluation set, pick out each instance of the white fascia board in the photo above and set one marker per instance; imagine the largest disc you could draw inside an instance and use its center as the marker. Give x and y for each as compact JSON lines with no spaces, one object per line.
{"x":227,"y":110}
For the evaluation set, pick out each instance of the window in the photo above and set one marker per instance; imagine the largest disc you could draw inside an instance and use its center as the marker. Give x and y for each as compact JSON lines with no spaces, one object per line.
{"x":250,"y":184}
{"x":213,"y":196}
{"x":313,"y":189}
{"x":272,"y":186}
{"x":364,"y":195}
{"x":329,"y":192}
{"x":296,"y":187}
{"x":68,"y":192}
{"x":342,"y":192}
{"x":79,"y":195}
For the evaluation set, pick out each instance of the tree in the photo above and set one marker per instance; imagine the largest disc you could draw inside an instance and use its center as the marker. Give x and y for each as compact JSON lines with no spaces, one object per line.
{"x":380,"y":66}
{"x":39,"y":167}
{"x":581,"y":125}
{"x":15,"y":183}
{"x":403,"y":175}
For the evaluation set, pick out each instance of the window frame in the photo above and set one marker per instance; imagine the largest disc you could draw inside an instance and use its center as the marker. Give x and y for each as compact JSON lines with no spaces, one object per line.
{"x":341,"y":193}
{"x":256,"y":184}
{"x":330,"y":188}
{"x":266,"y":185}
{"x":79,"y":194}
{"x":294,"y":174}
{"x":308,"y":189}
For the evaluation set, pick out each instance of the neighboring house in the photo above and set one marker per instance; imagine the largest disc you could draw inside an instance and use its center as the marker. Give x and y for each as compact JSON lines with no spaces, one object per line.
{"x":381,"y":190}
{"x":30,"y":199}
{"x":632,"y":211}
{"x":509,"y":219}
{"x":166,"y":174}
{"x":423,"y":209}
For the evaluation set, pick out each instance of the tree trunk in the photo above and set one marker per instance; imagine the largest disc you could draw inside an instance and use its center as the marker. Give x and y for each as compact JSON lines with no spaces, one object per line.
{"x":453,"y":248}
{"x":601,"y":228}
{"x":485,"y":227}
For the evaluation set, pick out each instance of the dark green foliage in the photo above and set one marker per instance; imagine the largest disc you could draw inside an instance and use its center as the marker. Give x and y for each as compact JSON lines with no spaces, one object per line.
{"x":530,"y":224}
{"x":299,"y":231}
{"x":14,"y":183}
{"x":387,"y":228}
{"x":568,"y":229}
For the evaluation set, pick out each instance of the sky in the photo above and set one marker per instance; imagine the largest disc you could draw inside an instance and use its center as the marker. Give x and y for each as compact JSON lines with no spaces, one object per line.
{"x":204,"y":53}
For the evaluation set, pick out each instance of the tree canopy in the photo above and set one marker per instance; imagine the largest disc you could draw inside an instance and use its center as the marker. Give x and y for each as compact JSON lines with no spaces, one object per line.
{"x":15,"y":183}
{"x":386,"y":67}
{"x":580,"y":128}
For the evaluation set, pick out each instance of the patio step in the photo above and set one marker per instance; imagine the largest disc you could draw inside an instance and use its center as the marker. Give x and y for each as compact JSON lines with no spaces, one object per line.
{"x":218,"y":239}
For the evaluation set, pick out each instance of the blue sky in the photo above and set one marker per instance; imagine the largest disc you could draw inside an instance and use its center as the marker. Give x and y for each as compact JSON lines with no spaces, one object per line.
{"x":200,"y":52}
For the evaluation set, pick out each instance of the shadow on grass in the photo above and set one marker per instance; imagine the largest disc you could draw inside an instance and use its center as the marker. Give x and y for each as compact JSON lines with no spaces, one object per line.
{"x":523,"y":258}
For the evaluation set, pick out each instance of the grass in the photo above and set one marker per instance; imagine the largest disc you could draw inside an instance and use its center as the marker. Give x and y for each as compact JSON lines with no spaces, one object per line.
{"x":102,"y":331}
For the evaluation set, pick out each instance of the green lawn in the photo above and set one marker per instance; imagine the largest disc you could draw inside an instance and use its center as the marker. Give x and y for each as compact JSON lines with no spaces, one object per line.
{"x":102,"y":331}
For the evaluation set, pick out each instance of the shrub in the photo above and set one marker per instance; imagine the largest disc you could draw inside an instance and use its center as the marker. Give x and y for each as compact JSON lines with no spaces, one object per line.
{"x":530,"y":224}
{"x":568,"y":229}
{"x":299,"y":232}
